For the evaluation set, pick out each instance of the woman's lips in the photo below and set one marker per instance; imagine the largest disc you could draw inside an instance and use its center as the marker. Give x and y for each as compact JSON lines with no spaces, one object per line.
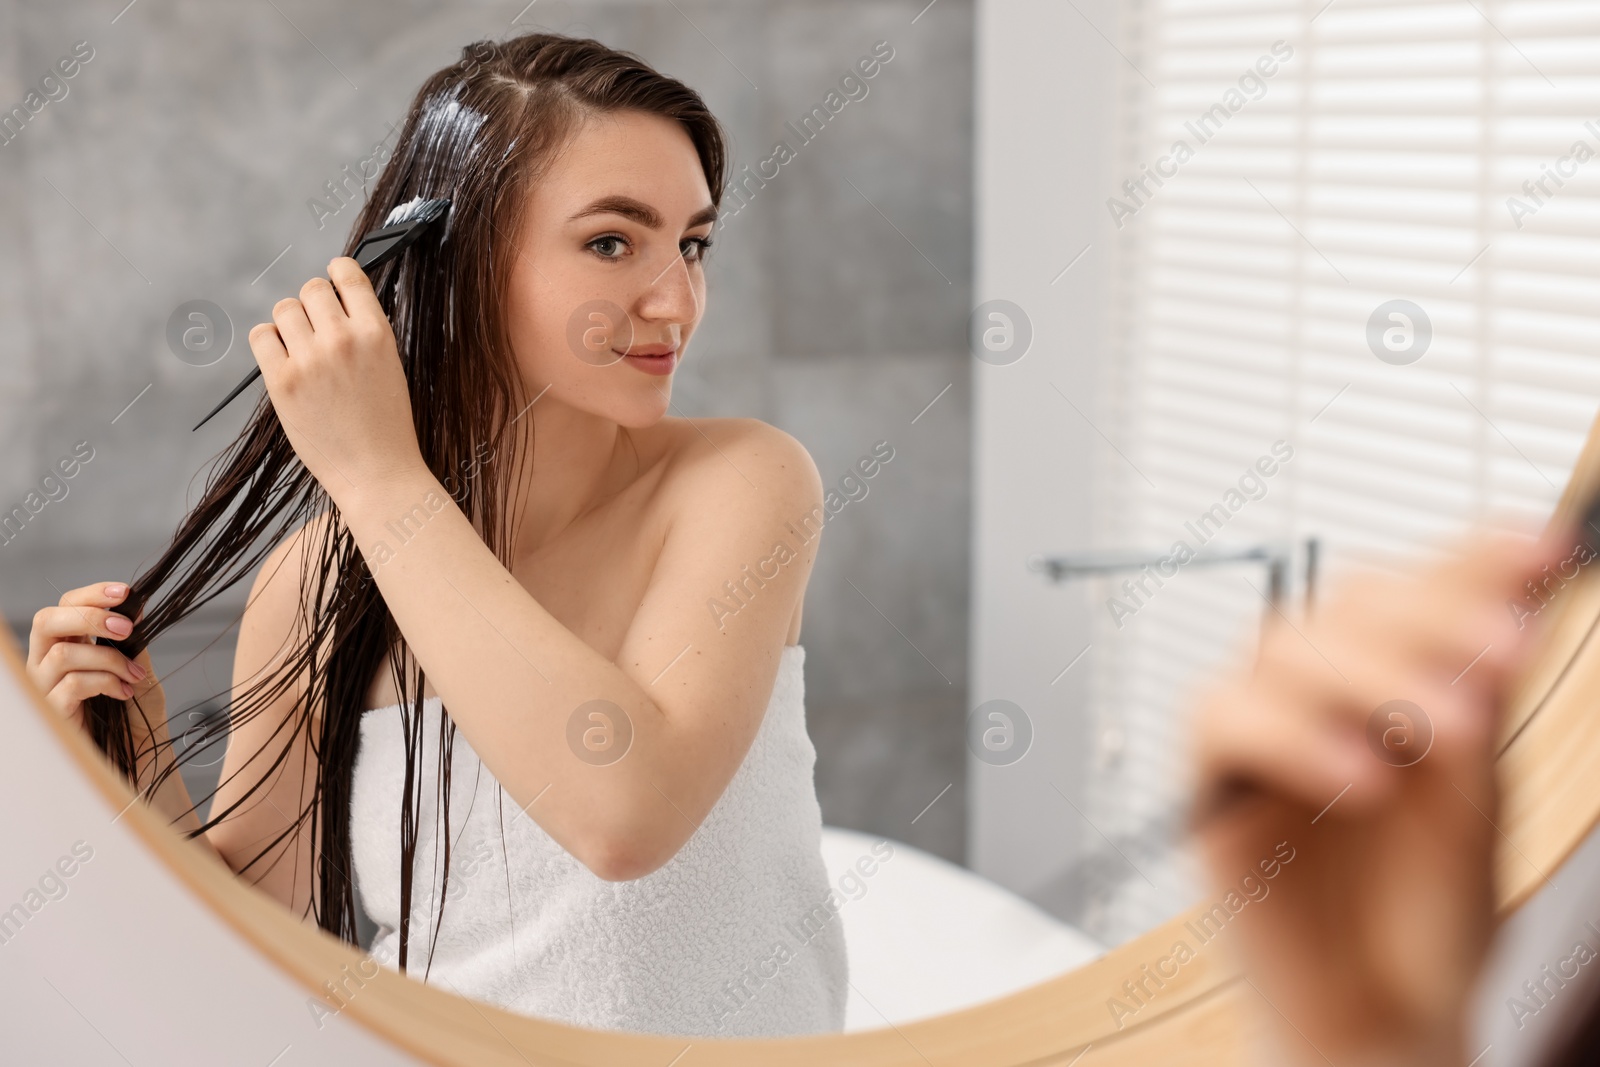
{"x":664,"y":363}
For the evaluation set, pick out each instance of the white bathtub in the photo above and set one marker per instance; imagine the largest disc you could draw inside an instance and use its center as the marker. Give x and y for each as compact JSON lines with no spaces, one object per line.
{"x":926,"y":936}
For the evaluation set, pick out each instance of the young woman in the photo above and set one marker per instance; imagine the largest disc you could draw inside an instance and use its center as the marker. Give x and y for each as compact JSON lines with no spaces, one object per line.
{"x":618,"y":806}
{"x":1369,"y":948}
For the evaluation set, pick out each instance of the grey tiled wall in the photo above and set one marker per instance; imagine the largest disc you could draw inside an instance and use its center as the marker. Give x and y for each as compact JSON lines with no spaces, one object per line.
{"x":179,"y":164}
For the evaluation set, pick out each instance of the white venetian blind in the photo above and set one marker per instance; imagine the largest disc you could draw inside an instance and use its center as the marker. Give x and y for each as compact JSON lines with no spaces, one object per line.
{"x":1374,"y":164}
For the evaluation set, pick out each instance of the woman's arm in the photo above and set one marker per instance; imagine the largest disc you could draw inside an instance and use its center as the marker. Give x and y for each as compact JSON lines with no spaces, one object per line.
{"x":156,"y":754}
{"x":692,"y":682}
{"x":272,"y":624}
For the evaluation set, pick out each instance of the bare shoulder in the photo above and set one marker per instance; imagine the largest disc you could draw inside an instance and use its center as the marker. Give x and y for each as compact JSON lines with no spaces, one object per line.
{"x":738,"y":460}
{"x":736,"y":496}
{"x":278,"y":582}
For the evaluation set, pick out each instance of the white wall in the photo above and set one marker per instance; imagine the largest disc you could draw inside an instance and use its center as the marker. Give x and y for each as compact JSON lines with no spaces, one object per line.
{"x":119,"y":961}
{"x":1045,"y":84}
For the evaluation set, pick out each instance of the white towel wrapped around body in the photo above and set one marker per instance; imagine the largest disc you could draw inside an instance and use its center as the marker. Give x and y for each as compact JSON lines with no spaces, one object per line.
{"x":736,"y":936}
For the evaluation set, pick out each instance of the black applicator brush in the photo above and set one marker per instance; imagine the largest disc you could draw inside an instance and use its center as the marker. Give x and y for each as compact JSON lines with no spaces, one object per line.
{"x":405,"y":224}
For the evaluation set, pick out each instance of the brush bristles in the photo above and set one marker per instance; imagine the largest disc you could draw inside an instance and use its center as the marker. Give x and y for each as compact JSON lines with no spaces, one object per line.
{"x":417,"y":210}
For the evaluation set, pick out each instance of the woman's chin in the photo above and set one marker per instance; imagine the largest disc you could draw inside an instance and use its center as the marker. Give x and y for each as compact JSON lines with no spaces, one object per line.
{"x":647,"y":410}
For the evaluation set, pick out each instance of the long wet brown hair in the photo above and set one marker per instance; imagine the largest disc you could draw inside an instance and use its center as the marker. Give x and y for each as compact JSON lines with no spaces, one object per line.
{"x":480,"y":132}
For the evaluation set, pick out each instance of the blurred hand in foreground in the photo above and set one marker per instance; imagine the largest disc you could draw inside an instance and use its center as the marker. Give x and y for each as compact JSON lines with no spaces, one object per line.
{"x":1368,"y":945}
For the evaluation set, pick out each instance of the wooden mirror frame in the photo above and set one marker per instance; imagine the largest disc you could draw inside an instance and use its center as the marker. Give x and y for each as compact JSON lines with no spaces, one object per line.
{"x":1550,"y":763}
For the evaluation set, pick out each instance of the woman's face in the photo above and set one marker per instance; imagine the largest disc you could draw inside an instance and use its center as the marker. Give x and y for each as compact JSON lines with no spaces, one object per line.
{"x":609,"y":266}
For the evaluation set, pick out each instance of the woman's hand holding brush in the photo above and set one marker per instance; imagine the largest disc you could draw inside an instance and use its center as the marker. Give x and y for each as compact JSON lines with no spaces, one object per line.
{"x":336,"y":382}
{"x":1369,"y":942}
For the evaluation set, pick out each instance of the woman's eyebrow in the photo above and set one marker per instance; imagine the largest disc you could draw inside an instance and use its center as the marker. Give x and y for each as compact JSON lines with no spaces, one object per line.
{"x":640,"y":212}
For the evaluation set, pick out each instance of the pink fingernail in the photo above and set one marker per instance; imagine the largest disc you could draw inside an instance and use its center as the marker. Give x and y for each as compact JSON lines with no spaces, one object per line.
{"x":119,"y":626}
{"x":116,"y":589}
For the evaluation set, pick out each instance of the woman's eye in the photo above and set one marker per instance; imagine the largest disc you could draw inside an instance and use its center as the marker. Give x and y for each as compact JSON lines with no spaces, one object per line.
{"x":610,"y":243}
{"x":695,"y":248}
{"x":611,"y":246}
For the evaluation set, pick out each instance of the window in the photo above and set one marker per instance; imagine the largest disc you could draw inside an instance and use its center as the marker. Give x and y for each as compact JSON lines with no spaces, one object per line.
{"x":1376,"y":244}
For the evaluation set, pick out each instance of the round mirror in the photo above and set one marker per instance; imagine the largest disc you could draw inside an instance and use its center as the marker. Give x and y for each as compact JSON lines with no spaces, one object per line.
{"x":1045,"y":352}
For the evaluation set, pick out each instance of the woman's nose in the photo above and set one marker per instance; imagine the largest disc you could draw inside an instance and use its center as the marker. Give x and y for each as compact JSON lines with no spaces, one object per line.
{"x":671,"y":295}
